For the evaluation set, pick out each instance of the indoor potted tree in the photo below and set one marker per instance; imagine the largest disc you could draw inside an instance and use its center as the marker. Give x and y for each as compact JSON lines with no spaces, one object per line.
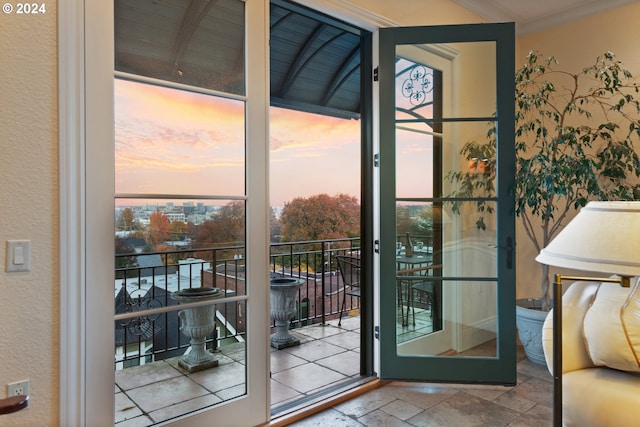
{"x":574,"y":143}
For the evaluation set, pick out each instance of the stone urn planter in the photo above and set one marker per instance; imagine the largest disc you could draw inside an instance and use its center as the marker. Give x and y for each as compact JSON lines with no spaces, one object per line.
{"x":529,"y":320}
{"x":283,"y":308}
{"x":196,"y":323}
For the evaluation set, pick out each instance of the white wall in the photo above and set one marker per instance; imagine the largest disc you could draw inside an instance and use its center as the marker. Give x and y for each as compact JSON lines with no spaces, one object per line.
{"x":29,"y":309}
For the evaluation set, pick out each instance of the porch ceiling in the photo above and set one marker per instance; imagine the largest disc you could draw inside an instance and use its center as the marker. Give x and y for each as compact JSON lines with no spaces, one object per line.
{"x":315,"y":61}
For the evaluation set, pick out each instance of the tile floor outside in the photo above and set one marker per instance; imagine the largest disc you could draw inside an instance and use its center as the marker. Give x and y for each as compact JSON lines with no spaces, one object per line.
{"x":329,"y":356}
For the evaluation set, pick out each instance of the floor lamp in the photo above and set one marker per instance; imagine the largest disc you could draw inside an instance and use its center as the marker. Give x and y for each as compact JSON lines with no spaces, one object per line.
{"x":604,"y":237}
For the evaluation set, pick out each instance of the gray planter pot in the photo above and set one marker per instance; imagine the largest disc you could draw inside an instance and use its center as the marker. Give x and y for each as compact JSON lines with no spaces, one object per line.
{"x":283,"y":308}
{"x":196,"y":323}
{"x":529,"y":320}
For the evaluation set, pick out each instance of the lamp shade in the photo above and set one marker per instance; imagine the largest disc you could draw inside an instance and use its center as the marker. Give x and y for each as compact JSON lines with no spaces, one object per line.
{"x":603,"y":237}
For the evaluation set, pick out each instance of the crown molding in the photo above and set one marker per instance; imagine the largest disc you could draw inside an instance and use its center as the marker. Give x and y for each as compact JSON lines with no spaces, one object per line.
{"x":566,"y":11}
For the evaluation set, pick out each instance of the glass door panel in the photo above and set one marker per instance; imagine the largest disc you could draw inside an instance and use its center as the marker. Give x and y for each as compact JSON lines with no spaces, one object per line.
{"x":185,"y":262}
{"x":172,"y":141}
{"x":476,"y":324}
{"x":444,"y":312}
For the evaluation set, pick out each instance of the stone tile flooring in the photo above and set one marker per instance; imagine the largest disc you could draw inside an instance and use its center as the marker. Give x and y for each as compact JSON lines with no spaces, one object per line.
{"x":329,"y":356}
{"x":398,"y":404}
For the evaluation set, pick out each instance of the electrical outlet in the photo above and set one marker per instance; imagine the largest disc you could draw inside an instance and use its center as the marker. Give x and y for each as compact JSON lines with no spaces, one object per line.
{"x":19,"y":388}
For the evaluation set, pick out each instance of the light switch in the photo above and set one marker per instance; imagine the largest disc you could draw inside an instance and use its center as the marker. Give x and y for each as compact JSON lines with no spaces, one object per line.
{"x":18,"y":255}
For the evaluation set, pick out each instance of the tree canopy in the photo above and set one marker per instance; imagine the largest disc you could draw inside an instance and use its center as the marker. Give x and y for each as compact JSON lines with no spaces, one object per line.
{"x":126,"y":220}
{"x":158,"y":230}
{"x":320,"y":217}
{"x":226,"y":226}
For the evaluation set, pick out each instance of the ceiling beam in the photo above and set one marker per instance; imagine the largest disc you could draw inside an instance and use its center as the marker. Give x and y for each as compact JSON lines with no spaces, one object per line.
{"x":194,"y":14}
{"x":342,"y":75}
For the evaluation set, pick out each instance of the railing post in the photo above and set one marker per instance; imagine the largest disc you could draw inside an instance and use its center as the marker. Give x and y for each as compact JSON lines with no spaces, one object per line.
{"x":322,"y":282}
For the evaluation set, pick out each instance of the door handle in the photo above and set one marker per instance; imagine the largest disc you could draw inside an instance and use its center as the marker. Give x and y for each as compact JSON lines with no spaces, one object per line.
{"x":509,"y":253}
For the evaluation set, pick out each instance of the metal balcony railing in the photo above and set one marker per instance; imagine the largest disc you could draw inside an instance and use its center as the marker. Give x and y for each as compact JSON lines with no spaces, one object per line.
{"x":144,"y":283}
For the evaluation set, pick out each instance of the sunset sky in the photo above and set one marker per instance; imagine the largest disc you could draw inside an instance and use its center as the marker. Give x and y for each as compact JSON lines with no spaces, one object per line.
{"x":176,"y":142}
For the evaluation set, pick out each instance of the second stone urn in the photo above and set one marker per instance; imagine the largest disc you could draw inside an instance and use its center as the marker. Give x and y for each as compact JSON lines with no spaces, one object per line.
{"x":283,"y":308}
{"x":196,"y":323}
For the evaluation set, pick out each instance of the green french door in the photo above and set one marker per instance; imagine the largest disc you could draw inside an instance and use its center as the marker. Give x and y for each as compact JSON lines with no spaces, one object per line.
{"x":446,"y":164}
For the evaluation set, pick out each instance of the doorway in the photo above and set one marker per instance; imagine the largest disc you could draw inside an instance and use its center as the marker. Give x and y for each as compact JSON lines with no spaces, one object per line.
{"x":95,"y":342}
{"x":447,"y":222}
{"x":318,"y":119}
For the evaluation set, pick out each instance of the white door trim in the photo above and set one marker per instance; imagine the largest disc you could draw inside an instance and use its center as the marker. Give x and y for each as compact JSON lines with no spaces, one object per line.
{"x":71,"y":196}
{"x":85,"y":52}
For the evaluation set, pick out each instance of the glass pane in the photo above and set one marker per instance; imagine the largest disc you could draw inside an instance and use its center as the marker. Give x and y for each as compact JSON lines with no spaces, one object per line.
{"x":469,"y":160}
{"x":420,"y":82}
{"x":477,"y":61}
{"x":418,"y":87}
{"x":194,"y":43}
{"x":458,"y":162}
{"x":457,"y":239}
{"x":416,"y":164}
{"x":169,"y":141}
{"x":469,"y":240}
{"x":469,"y":307}
{"x":180,"y":361}
{"x":165,"y":248}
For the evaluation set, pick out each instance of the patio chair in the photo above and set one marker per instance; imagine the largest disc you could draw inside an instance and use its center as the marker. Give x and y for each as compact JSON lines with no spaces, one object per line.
{"x":350,"y":271}
{"x":422,"y":285}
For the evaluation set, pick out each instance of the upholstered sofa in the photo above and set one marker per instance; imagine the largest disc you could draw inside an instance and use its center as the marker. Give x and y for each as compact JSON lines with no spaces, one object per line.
{"x":601,"y":354}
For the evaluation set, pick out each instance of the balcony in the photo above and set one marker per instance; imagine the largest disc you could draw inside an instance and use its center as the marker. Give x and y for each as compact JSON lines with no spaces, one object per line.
{"x":149,"y":342}
{"x":327,"y":357}
{"x":151,"y":387}
{"x":149,"y":393}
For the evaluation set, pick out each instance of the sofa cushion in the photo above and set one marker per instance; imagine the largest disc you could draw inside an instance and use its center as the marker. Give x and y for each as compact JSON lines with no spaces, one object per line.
{"x":600,"y":397}
{"x":612,"y":327}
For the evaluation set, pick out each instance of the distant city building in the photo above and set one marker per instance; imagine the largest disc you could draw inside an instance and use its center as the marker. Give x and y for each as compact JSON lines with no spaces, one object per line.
{"x":175,"y":215}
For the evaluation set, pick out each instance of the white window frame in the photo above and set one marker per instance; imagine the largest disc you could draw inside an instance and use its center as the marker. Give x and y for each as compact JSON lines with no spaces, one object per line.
{"x":86,"y":163}
{"x":80,"y":21}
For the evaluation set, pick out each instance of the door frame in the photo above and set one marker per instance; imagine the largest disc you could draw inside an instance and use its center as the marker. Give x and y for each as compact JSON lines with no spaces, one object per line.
{"x":79,"y":21}
{"x":86,"y":170}
{"x":502,"y":368}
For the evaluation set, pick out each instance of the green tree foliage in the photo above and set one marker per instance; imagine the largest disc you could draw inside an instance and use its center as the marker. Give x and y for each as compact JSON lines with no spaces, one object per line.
{"x":320,"y":217}
{"x":575,"y":134}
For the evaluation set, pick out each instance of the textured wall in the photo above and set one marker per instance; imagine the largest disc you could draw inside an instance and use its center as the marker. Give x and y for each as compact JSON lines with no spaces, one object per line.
{"x":579,"y":43}
{"x":29,"y":308}
{"x":29,"y":210}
